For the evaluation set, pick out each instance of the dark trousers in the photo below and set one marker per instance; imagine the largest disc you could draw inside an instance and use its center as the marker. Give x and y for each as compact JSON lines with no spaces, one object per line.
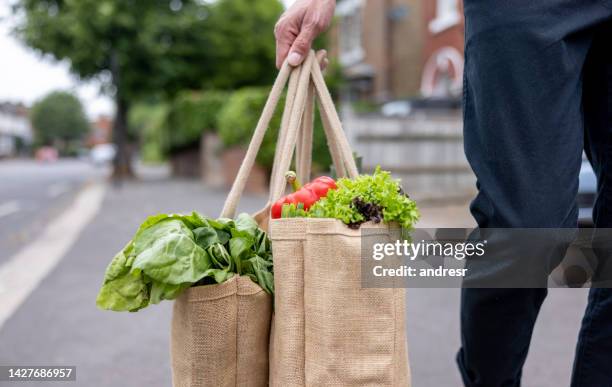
{"x":537,"y":92}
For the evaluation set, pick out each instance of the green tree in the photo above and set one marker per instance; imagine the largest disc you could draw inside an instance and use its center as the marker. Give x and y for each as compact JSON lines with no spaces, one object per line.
{"x":142,"y":47}
{"x":241,"y":31}
{"x":149,"y":120}
{"x":59,"y":119}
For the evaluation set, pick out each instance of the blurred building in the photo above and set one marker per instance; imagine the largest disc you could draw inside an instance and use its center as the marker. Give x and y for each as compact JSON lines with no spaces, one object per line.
{"x":15,"y":129}
{"x":442,"y":71}
{"x":407,"y":57}
{"x":393,"y":49}
{"x":101,"y":131}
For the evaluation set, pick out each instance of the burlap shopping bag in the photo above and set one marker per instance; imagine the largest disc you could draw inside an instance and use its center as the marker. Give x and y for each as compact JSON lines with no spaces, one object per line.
{"x":327,"y":330}
{"x":219,"y":335}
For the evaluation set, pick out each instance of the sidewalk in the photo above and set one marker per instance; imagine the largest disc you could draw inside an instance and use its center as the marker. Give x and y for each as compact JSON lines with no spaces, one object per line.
{"x":60,"y":325}
{"x":434,"y":328}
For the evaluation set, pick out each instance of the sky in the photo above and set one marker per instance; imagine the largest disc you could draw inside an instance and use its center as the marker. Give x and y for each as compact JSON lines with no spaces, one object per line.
{"x":26,"y":77}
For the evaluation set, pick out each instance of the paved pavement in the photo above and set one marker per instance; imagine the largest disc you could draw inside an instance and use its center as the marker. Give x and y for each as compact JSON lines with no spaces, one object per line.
{"x":59,"y":323}
{"x":434,"y":329}
{"x":33,"y":193}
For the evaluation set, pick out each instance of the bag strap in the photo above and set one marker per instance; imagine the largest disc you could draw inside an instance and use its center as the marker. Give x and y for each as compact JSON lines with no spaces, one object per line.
{"x":282,"y":132}
{"x":332,"y":144}
{"x":303,"y":149}
{"x":339,"y":146}
{"x":229,"y":208}
{"x":330,"y":117}
{"x":287,"y":147}
{"x":305,"y":82}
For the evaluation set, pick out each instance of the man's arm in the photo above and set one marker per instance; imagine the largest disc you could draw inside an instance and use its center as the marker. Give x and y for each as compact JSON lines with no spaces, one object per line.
{"x":299,"y":26}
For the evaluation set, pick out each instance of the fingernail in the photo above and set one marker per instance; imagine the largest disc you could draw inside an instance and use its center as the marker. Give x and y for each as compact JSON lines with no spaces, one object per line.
{"x":294,"y":59}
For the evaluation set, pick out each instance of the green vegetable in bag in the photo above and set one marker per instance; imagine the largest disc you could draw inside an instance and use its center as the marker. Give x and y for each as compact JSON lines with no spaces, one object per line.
{"x":170,"y":253}
{"x":377,"y":197}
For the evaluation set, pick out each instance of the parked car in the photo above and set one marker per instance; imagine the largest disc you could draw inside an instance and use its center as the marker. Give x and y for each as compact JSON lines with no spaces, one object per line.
{"x":47,"y":154}
{"x":405,"y":107}
{"x":587,"y":191}
{"x":396,"y":109}
{"x":102,"y":154}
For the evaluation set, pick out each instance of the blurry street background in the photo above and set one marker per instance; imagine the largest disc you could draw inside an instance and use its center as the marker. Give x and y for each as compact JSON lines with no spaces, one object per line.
{"x":111,"y":112}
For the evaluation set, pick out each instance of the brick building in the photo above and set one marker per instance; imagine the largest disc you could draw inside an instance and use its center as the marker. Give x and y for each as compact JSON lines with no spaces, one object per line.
{"x":391,"y":49}
{"x":442,"y":71}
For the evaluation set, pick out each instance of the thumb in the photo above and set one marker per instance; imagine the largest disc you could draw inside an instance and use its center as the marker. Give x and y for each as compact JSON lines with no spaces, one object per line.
{"x":301,"y":46}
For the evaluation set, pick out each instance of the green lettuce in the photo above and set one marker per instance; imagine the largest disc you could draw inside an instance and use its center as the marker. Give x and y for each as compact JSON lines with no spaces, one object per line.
{"x":376,"y":197}
{"x":170,"y":253}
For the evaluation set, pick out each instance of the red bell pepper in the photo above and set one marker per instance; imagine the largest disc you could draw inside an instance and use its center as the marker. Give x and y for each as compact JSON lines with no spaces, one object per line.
{"x":307,"y":195}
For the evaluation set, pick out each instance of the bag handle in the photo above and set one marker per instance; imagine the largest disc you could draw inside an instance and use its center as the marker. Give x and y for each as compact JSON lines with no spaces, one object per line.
{"x":330,"y":118}
{"x":305,"y":82}
{"x":286,"y":149}
{"x":338,"y":143}
{"x":303,"y":146}
{"x":229,"y":208}
{"x":303,"y":149}
{"x":282,"y":132}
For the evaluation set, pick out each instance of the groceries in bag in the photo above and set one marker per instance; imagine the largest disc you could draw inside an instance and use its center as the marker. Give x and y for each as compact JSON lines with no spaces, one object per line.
{"x":376,"y":197}
{"x":170,"y":253}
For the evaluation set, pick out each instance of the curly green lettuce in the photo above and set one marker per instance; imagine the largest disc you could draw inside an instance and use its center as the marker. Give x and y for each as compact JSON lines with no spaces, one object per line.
{"x":377,"y":197}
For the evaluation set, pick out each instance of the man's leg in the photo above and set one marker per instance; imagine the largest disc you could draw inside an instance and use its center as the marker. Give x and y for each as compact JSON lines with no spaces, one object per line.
{"x":593,"y":362}
{"x":523,"y":139}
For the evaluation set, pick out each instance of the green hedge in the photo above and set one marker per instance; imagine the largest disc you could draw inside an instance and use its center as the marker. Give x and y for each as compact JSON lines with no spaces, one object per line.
{"x":192,"y":113}
{"x":239,"y":116}
{"x":149,"y":121}
{"x":234,"y":116}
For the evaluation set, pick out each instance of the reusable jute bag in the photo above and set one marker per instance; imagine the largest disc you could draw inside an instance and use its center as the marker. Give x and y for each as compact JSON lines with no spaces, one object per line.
{"x":327,"y":329}
{"x":219,"y":335}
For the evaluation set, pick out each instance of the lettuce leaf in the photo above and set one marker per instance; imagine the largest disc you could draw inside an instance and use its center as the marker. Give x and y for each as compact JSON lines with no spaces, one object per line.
{"x":171,"y":252}
{"x":123,"y":290}
{"x":167,"y":252}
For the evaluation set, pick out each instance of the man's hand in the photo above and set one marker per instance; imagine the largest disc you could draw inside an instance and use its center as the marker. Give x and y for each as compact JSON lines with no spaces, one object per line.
{"x":299,"y":26}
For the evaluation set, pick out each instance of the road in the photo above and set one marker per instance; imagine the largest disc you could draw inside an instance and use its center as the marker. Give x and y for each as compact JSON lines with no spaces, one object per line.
{"x":58,"y":323}
{"x":32,"y":193}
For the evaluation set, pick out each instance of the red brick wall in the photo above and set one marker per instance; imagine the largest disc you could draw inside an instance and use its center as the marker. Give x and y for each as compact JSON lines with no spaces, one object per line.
{"x":452,"y":36}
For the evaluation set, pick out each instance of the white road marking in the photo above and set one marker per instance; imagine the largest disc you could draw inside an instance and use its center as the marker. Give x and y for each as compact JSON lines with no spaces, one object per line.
{"x":22,"y":273}
{"x":9,"y":208}
{"x":57,"y":189}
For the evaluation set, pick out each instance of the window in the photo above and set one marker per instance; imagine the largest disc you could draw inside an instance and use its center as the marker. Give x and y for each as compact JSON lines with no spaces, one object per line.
{"x":447,"y":15}
{"x":350,"y":31}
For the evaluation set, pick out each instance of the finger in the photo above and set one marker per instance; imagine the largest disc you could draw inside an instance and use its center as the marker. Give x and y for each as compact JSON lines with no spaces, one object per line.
{"x":284,"y":39}
{"x":301,"y":46}
{"x":321,"y":56}
{"x":282,"y":50}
